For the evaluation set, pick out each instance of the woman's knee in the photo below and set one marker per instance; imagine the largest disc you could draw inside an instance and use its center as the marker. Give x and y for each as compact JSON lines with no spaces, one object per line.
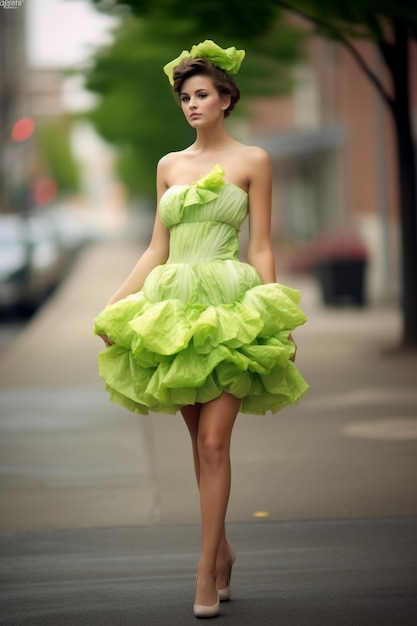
{"x":213,"y":450}
{"x":215,"y":430}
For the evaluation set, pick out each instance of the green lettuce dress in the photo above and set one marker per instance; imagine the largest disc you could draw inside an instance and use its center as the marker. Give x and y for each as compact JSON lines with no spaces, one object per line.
{"x":203,"y":323}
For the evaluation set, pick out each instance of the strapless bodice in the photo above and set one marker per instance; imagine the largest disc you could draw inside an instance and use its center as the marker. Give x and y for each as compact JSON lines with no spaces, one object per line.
{"x":204,"y":219}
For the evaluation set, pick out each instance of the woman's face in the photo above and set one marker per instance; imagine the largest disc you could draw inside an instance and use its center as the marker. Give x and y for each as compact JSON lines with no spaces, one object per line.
{"x":201,"y":102}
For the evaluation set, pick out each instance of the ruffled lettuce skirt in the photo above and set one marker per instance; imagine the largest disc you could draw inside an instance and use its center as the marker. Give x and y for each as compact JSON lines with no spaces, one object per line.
{"x":197,"y":330}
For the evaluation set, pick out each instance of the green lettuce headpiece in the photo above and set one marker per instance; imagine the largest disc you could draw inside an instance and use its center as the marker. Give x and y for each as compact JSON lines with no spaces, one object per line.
{"x":228,"y":59}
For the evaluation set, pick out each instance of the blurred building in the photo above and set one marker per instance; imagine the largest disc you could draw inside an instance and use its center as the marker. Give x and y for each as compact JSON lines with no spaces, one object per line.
{"x":333,"y":153}
{"x":44,"y":92}
{"x":12,"y":91}
{"x":41,"y":93}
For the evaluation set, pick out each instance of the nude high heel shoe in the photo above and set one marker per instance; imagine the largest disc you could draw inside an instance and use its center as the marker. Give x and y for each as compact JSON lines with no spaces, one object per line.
{"x":225,"y":592}
{"x":204,"y":611}
{"x":201,"y":610}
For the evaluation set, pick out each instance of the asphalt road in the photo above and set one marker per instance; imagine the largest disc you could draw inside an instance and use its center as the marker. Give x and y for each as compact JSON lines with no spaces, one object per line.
{"x":338,"y":573}
{"x":99,"y":513}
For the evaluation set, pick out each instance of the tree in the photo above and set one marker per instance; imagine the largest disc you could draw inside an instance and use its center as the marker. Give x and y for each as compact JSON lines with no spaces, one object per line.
{"x":390,"y":25}
{"x":135,"y":109}
{"x":54,"y":150}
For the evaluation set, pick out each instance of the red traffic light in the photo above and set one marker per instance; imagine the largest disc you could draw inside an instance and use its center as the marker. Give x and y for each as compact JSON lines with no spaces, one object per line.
{"x":23,"y":129}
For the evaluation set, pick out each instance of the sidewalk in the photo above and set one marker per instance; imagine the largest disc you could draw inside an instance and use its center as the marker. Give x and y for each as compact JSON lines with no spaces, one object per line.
{"x":71,"y":459}
{"x":57,"y":346}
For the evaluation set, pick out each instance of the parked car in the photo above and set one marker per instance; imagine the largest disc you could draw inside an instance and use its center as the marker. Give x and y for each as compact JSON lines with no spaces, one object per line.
{"x":31,"y":260}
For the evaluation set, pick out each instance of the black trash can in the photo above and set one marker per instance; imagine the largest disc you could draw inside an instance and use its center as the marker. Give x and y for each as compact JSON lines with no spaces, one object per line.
{"x":342,"y":281}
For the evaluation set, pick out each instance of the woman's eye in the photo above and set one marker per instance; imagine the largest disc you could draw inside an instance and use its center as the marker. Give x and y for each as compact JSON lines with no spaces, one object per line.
{"x":184,"y":98}
{"x":202,"y":95}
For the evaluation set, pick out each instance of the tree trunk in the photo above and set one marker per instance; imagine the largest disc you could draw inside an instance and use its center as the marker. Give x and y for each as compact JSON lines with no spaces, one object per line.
{"x":406,"y":161}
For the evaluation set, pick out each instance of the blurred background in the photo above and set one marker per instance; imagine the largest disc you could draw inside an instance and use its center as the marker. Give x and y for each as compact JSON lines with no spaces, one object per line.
{"x":57,"y":177}
{"x":86,"y":112}
{"x":329,"y":89}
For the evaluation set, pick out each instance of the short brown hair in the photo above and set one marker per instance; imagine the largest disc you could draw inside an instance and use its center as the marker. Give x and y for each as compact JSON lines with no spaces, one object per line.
{"x":223,"y":83}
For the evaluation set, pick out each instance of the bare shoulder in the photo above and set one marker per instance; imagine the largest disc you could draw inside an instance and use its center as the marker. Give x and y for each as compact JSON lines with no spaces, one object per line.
{"x":165,"y":167}
{"x":256,"y":156}
{"x":257,"y":165}
{"x":168,"y":163}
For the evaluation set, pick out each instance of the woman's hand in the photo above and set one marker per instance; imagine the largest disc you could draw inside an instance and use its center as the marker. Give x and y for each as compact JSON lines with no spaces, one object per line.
{"x":106,"y":340}
{"x":290,"y":337}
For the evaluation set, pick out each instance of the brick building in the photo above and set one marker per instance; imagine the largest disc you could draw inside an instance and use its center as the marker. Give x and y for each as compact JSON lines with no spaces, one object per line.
{"x":334,"y":159}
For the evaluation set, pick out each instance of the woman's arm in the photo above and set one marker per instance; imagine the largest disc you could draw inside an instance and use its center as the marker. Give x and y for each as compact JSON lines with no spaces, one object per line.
{"x":156,"y":253}
{"x":260,"y":253}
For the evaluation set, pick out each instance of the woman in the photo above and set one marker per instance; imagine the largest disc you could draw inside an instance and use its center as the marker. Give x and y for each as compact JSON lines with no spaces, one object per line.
{"x":192,"y":328}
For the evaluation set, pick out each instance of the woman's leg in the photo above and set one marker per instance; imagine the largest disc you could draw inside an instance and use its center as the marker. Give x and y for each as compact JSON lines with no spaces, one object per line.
{"x":215,"y":427}
{"x":191,"y":415}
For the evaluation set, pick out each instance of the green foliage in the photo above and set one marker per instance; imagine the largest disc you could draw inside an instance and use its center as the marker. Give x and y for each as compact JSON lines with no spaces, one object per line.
{"x":252,"y":19}
{"x":358,"y":18}
{"x":137,"y":111}
{"x":54,"y":147}
{"x":243,"y":19}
